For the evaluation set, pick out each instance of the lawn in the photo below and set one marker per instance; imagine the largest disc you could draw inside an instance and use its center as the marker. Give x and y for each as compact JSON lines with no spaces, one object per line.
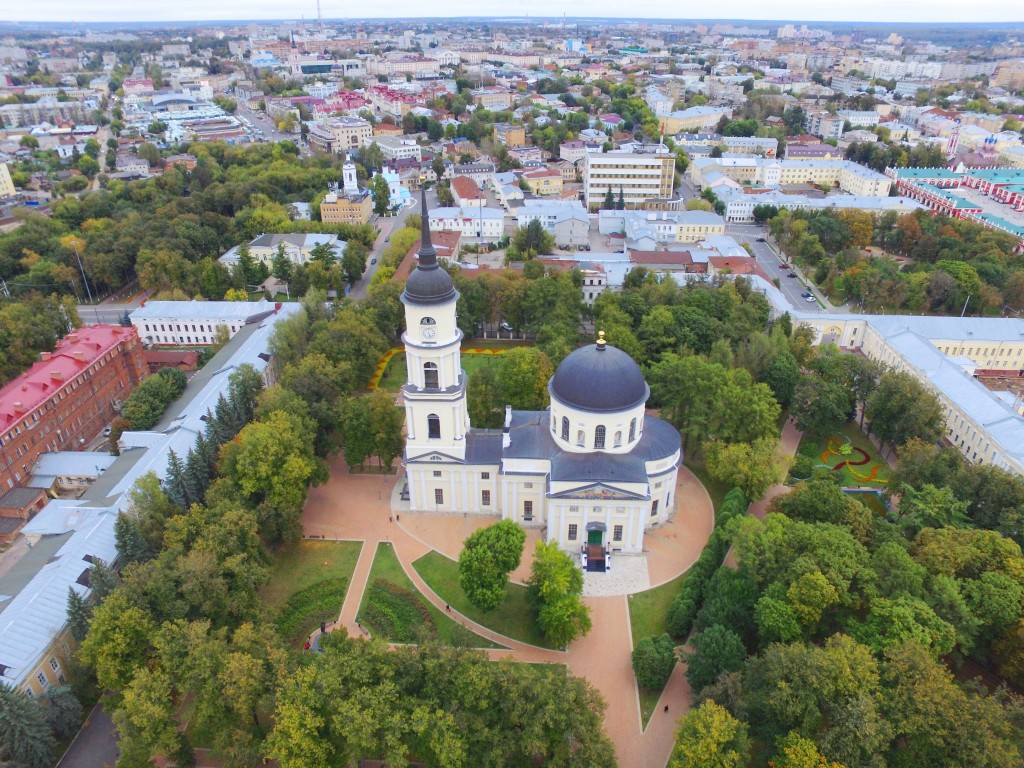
{"x":394,"y":377}
{"x":307,"y":585}
{"x":514,"y":618}
{"x":858,"y":465}
{"x":715,"y":488}
{"x":647,"y":610}
{"x":394,"y":610}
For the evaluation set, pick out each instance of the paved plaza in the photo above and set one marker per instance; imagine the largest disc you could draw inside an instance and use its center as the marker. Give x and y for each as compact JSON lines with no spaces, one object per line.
{"x":367,"y":508}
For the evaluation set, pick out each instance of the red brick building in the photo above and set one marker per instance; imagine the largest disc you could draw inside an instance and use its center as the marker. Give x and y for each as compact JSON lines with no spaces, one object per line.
{"x":64,"y":401}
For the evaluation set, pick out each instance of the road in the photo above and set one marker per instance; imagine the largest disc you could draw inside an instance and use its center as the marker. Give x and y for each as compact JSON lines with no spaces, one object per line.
{"x":107,"y":314}
{"x":768,"y":258}
{"x":388,"y":226}
{"x":262,"y":122}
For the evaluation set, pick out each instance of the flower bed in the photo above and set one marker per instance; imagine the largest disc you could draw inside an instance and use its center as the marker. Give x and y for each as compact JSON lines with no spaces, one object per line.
{"x":395,"y":613}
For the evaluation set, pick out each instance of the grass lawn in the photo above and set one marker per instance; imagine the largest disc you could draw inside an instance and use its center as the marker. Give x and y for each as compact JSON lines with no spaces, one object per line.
{"x":716,"y":490}
{"x":308,"y":583}
{"x":647,"y":610}
{"x":394,"y":610}
{"x":513,"y":618}
{"x":394,"y":377}
{"x":874,"y":471}
{"x":648,"y":703}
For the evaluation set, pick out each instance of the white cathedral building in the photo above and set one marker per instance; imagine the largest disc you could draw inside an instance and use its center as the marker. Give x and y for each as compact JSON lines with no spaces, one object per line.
{"x":593,"y":470}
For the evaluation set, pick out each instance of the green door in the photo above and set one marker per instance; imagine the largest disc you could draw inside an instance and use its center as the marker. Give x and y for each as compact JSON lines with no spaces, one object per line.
{"x":595,"y":537}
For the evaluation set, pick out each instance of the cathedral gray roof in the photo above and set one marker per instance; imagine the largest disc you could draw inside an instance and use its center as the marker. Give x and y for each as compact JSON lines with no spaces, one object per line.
{"x":599,"y":378}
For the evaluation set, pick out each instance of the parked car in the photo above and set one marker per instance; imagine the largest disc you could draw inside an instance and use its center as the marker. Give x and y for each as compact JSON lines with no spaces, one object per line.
{"x":373,"y":261}
{"x":811,"y":300}
{"x":791,"y":274}
{"x":805,"y":294}
{"x":505,"y":326}
{"x":760,"y":240}
{"x":106,"y":431}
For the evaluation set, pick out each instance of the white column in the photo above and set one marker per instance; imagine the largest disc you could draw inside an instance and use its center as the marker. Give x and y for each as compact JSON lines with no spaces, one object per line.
{"x":636,"y":529}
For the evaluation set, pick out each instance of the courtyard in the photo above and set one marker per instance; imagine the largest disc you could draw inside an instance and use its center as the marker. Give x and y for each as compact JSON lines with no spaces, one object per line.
{"x":420,"y":553}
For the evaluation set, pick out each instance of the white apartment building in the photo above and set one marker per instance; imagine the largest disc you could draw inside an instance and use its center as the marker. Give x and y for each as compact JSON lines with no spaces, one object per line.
{"x":758,"y":171}
{"x":195,"y":322}
{"x":477,"y":223}
{"x":640,"y":177}
{"x":340,"y":134}
{"x":395,"y":147}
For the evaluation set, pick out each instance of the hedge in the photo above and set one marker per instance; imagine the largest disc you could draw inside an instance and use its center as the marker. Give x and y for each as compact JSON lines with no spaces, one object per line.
{"x":687,"y":602}
{"x":147,"y":403}
{"x":308,"y":607}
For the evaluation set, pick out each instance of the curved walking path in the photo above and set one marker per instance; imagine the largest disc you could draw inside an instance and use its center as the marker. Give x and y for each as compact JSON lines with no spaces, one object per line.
{"x":358,"y":507}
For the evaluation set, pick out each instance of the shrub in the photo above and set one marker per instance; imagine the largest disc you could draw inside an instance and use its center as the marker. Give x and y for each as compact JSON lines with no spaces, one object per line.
{"x":395,"y":613}
{"x":147,"y":403}
{"x":715,"y":650}
{"x":308,"y":607}
{"x":653,"y":661}
{"x":688,"y":601}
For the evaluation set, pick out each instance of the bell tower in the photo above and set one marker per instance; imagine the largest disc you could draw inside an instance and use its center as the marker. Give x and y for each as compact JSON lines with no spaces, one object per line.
{"x":434,"y":395}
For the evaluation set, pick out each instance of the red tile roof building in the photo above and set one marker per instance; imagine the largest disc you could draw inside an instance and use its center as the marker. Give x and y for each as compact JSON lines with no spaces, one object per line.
{"x":64,"y":400}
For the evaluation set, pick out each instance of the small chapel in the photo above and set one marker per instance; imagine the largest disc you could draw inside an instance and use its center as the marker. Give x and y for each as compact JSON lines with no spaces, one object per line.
{"x":593,"y":470}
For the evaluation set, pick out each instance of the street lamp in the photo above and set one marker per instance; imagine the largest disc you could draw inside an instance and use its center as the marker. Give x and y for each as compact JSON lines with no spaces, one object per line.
{"x":74,"y":247}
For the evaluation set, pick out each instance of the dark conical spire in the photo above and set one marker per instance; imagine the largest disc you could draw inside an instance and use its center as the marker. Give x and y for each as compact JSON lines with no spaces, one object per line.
{"x":427,"y":254}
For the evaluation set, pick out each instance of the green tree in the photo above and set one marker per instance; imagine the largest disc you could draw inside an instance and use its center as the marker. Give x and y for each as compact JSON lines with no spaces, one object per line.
{"x":487,"y":558}
{"x":709,"y":737}
{"x":524,"y":373}
{"x":381,"y":195}
{"x":930,"y":507}
{"x":281,"y":267}
{"x":555,"y":588}
{"x":820,"y":406}
{"x":63,"y":711}
{"x":716,"y":650}
{"x":386,"y":421}
{"x":353,"y":263}
{"x":356,"y":435}
{"x":901,"y":408}
{"x":796,"y":751}
{"x":484,"y":398}
{"x":654,"y":658}
{"x":25,"y":739}
{"x":752,"y":467}
{"x":79,"y":612}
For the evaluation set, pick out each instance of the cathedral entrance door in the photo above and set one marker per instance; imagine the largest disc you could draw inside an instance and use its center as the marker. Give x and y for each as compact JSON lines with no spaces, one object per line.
{"x":595,"y":537}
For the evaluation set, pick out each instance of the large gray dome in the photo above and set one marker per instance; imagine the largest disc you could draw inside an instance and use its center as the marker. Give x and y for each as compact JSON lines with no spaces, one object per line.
{"x":599,"y":378}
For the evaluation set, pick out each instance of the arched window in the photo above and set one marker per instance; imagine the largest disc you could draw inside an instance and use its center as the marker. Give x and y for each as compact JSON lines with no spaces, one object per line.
{"x":581,"y":438}
{"x":599,"y":436}
{"x":618,"y":439}
{"x":632,"y":430}
{"x":430,"y":375}
{"x":434,"y":426}
{"x":427,"y":321}
{"x":565,"y":428}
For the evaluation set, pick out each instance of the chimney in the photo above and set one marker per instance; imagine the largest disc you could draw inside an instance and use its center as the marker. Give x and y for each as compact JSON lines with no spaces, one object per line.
{"x":72,"y":337}
{"x":506,"y":436}
{"x":57,"y":375}
{"x":79,"y":355}
{"x":44,"y":356}
{"x":19,"y":407}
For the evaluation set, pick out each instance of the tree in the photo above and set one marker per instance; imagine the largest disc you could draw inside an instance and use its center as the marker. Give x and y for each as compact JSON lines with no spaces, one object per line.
{"x":609,"y":201}
{"x":487,"y":558}
{"x":533,"y":240}
{"x":796,"y":751}
{"x":282,"y":267}
{"x":524,"y":373}
{"x":386,"y":421}
{"x":555,"y":588}
{"x":78,"y":615}
{"x":709,"y":737}
{"x":25,"y":739}
{"x":752,"y":467}
{"x":63,"y":710}
{"x":353,"y":262}
{"x":484,"y":398}
{"x":715,"y":650}
{"x":930,"y":507}
{"x":901,"y":408}
{"x":654,"y":658}
{"x":356,"y":435}
{"x":88,"y":166}
{"x":820,"y":406}
{"x":381,"y":195}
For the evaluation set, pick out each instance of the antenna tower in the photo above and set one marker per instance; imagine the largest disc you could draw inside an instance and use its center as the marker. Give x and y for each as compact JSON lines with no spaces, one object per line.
{"x":319,"y":19}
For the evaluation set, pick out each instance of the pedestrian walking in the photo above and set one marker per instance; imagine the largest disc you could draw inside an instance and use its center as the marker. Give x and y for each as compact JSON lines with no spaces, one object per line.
{"x":666,"y":708}
{"x":397,"y":516}
{"x":447,"y":607}
{"x":391,"y":519}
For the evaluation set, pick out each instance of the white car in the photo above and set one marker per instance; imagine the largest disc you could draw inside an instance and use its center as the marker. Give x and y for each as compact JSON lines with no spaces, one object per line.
{"x":811,"y":300}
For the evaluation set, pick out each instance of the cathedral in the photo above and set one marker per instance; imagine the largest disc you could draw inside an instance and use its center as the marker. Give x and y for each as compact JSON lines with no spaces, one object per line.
{"x":594,"y":471}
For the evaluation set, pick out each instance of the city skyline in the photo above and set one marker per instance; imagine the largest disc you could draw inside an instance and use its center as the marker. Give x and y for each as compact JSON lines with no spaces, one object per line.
{"x":870,"y":11}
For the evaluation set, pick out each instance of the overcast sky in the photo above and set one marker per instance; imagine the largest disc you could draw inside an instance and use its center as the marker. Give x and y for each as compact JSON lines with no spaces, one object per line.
{"x":859,"y":10}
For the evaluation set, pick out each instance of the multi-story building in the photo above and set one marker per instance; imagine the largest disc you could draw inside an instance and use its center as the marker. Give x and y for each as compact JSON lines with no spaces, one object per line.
{"x":509,"y":135}
{"x":347,"y":208}
{"x":692,"y":120}
{"x":195,"y":322}
{"x":544,"y":181}
{"x":572,"y":150}
{"x":639,"y":177}
{"x":48,"y":109}
{"x":298,"y":248}
{"x":757,"y":171}
{"x":467,"y":193}
{"x":493,"y":98}
{"x":477,"y":223}
{"x":64,"y":400}
{"x":825,"y":125}
{"x":395,"y":147}
{"x":6,"y":183}
{"x":340,"y":134}
{"x":567,"y":220}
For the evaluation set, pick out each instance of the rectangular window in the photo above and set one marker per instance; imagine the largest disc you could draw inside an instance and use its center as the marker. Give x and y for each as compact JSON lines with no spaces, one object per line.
{"x":485,"y":475}
{"x":439,"y":496}
{"x":42,"y":679}
{"x":485,"y":498}
{"x":54,"y":665}
{"x":527,"y":510}
{"x":617,"y":533}
{"x":437,"y":473}
{"x":654,"y":508}
{"x":573,"y":529}
{"x":527,"y":485}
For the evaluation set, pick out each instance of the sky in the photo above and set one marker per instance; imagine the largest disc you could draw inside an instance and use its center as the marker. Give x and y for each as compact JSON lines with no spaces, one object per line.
{"x":810,"y":10}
